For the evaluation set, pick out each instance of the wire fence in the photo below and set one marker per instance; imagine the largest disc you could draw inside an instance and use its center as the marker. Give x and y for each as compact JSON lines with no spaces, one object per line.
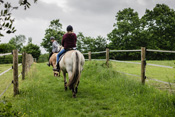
{"x":8,"y":87}
{"x":27,"y":61}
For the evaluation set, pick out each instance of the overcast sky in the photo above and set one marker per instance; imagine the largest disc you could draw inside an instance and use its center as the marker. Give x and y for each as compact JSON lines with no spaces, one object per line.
{"x":92,"y":17}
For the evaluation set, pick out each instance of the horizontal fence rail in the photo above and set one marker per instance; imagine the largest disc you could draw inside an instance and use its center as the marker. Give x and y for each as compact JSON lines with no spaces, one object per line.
{"x":165,"y":51}
{"x":113,"y":51}
{"x":125,"y":51}
{"x":5,"y":54}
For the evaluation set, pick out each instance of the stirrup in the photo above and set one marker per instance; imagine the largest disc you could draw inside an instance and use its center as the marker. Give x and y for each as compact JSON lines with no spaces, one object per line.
{"x":55,"y":69}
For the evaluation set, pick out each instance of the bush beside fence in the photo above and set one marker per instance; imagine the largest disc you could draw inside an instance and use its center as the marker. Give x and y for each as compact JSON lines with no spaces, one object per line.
{"x":8,"y":59}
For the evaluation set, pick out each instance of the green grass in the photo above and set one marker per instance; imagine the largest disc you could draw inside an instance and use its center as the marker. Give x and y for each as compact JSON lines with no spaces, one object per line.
{"x":102,"y":92}
{"x":7,"y":78}
{"x":4,"y":67}
{"x":160,"y":73}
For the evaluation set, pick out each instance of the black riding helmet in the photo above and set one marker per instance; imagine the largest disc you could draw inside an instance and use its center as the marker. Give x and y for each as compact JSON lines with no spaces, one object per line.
{"x":69,"y":28}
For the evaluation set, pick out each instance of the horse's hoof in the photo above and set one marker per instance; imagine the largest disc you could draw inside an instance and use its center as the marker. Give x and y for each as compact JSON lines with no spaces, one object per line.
{"x":76,"y":90}
{"x":74,"y":96}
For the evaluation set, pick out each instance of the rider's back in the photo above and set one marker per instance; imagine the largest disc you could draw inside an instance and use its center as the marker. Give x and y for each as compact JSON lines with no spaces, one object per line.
{"x":69,"y":40}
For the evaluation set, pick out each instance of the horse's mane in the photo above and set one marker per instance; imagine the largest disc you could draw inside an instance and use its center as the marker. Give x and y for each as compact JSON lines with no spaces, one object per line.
{"x":60,"y":47}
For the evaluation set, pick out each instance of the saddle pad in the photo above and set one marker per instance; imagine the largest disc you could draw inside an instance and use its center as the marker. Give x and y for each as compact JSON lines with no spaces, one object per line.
{"x":64,"y":54}
{"x":61,"y":56}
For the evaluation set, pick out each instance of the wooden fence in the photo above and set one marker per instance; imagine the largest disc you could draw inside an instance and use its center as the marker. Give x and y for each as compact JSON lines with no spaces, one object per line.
{"x":27,"y":61}
{"x":143,"y":51}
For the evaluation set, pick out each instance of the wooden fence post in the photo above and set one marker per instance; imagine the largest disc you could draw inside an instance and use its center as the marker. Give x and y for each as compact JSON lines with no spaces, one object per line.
{"x":29,"y":61}
{"x":15,"y":72}
{"x":107,"y":57}
{"x":26,"y":68}
{"x":89,"y":53}
{"x":34,"y":60}
{"x":23,"y":65}
{"x":143,"y":64}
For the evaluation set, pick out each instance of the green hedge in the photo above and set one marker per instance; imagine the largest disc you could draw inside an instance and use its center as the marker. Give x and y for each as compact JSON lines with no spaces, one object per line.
{"x":9,"y":59}
{"x":43,"y":58}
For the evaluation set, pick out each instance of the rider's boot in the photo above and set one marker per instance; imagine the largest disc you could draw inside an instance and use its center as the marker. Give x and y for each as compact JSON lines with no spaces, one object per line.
{"x":58,"y":67}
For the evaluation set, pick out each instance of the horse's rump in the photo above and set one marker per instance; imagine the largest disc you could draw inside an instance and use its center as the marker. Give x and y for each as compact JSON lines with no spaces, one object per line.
{"x":76,"y":71}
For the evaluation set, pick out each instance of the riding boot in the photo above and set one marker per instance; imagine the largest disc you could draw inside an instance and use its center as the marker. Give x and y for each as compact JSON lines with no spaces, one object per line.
{"x":58,"y":68}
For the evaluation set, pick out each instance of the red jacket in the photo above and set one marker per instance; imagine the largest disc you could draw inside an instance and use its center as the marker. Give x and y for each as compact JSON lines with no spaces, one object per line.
{"x":69,"y":40}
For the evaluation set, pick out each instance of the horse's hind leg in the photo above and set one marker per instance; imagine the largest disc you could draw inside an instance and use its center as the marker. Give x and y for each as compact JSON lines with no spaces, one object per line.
{"x":59,"y":73}
{"x":76,"y":89}
{"x":73,"y":93}
{"x":65,"y":81}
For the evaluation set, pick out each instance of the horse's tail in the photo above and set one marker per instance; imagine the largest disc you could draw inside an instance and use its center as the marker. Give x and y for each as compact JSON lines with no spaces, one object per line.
{"x":76,"y":71}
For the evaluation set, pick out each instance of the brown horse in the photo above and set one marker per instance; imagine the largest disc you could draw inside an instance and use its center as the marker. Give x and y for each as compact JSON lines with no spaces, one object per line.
{"x":52,"y":62}
{"x":72,"y":63}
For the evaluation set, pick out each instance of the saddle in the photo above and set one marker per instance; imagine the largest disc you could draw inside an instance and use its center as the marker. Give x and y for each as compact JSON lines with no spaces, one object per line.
{"x":69,"y":49}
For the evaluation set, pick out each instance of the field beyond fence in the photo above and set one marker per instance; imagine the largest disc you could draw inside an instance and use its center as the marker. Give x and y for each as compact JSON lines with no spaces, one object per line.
{"x":143,"y":62}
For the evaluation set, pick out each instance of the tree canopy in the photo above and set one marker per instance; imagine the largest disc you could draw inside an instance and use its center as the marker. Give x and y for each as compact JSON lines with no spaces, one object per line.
{"x":6,"y":47}
{"x":55,"y":30}
{"x":85,"y":44}
{"x":32,"y":49}
{"x":154,"y":30}
{"x":18,"y":41}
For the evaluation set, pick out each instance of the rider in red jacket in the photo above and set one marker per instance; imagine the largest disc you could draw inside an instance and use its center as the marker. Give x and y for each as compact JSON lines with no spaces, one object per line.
{"x":68,"y":42}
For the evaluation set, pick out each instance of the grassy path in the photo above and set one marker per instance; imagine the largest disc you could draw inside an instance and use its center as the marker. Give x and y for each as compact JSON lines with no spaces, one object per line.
{"x":102,"y":92}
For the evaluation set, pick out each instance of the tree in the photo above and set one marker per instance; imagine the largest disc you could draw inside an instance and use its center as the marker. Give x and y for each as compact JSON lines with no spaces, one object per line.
{"x":80,"y":44}
{"x":155,"y":30}
{"x":126,"y":34}
{"x":126,"y":29}
{"x":55,"y":30}
{"x":29,"y":40}
{"x":158,"y":26}
{"x":18,"y":41}
{"x":100,"y":43}
{"x":6,"y":47}
{"x":32,"y":49}
{"x":6,"y":21}
{"x":85,"y":44}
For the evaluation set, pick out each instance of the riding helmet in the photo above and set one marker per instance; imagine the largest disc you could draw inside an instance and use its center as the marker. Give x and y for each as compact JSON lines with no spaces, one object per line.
{"x":69,"y":28}
{"x":52,"y":38}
